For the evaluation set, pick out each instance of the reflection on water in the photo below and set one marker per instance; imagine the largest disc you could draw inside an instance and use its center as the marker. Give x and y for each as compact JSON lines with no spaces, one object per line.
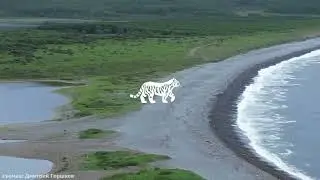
{"x":10,"y":26}
{"x":28,"y":102}
{"x":11,"y":141}
{"x":21,"y":167}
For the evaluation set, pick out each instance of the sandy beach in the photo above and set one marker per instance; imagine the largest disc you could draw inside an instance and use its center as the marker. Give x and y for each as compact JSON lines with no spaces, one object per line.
{"x":181,"y":130}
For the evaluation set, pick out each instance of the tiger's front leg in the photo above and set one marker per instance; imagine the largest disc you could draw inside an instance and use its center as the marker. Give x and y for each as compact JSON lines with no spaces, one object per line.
{"x":150,"y":96}
{"x":172,"y":96}
{"x":164,"y":98}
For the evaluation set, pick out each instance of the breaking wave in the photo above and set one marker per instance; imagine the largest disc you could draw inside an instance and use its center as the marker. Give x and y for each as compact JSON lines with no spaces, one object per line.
{"x":259,"y":116}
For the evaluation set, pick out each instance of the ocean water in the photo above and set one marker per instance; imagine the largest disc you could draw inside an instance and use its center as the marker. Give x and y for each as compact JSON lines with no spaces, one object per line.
{"x":280,"y":115}
{"x":21,"y":103}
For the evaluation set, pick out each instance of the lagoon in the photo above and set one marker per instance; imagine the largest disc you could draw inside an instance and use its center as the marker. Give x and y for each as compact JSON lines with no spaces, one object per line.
{"x":26,"y":102}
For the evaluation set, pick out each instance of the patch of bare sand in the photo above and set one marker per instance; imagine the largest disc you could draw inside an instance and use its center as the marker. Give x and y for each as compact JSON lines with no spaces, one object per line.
{"x":59,"y":145}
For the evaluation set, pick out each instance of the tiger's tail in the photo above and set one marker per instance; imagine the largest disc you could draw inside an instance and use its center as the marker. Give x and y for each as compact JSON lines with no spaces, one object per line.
{"x":137,"y":95}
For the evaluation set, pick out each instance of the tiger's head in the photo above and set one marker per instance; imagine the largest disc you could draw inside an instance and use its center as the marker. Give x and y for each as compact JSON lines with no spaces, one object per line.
{"x":175,"y":82}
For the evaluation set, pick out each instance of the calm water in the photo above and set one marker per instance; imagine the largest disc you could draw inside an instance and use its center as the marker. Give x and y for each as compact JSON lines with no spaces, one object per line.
{"x":11,"y":26}
{"x":280,"y":114}
{"x":26,"y":102}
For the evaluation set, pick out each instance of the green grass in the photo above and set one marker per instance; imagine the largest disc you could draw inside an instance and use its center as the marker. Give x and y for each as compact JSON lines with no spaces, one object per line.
{"x":94,"y":133}
{"x":118,"y":159}
{"x":116,"y":58}
{"x":113,"y":160}
{"x":157,"y":174}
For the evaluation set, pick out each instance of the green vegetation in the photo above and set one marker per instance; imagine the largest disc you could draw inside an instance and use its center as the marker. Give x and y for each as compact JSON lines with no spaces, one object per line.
{"x":148,"y":39}
{"x":110,"y":8}
{"x":293,"y":6}
{"x":94,"y":133}
{"x":118,"y":159}
{"x":126,"y":9}
{"x":116,"y":58}
{"x":157,"y":174}
{"x":113,"y":160}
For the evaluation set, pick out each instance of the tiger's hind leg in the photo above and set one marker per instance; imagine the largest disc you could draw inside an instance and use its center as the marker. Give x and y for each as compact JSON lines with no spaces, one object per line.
{"x":150,"y":96}
{"x":142,"y":96}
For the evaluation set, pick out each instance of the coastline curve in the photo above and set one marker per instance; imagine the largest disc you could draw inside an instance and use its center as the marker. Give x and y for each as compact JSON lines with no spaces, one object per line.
{"x":224,"y":115}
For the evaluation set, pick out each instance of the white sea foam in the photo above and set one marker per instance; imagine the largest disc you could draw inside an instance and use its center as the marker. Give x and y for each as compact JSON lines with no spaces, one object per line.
{"x":257,"y":116}
{"x":288,"y":152}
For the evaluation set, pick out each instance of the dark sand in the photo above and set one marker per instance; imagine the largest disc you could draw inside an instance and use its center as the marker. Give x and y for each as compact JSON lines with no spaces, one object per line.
{"x":180,"y":130}
{"x":224,"y":116}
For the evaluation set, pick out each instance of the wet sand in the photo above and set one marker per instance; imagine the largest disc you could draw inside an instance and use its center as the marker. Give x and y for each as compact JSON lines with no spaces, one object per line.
{"x":181,"y":130}
{"x":224,"y":112}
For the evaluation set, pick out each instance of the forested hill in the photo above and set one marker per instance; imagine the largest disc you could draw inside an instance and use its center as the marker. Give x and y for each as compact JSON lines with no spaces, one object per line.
{"x":119,"y":8}
{"x":293,"y":6}
{"x":112,"y":8}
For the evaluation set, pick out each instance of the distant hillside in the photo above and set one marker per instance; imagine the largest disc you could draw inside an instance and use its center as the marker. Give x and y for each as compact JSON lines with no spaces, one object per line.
{"x":126,"y":8}
{"x":111,"y":8}
{"x":293,"y":6}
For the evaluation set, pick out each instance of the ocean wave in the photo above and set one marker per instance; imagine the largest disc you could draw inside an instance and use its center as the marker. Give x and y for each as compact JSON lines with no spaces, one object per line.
{"x":257,"y":110}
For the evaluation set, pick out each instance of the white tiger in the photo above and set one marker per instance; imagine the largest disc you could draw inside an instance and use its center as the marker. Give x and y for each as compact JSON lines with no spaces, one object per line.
{"x":160,"y":89}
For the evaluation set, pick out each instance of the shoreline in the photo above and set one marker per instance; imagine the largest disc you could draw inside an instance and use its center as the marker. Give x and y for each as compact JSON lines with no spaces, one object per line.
{"x":184,"y":132}
{"x":224,"y":113}
{"x":55,"y":85}
{"x":63,"y":112}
